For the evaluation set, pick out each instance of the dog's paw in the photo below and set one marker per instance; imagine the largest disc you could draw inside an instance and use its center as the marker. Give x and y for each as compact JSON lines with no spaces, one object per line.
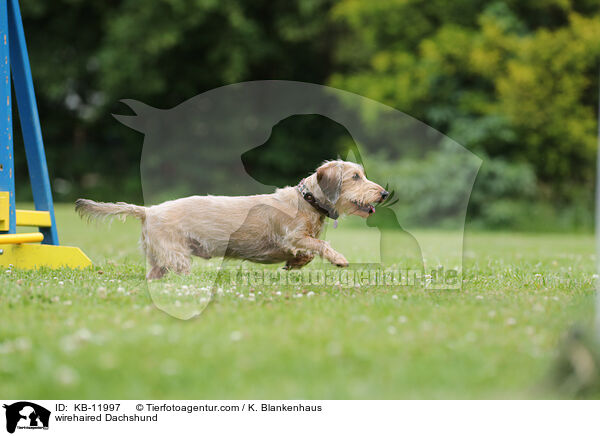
{"x":301,"y":258}
{"x":340,"y":261}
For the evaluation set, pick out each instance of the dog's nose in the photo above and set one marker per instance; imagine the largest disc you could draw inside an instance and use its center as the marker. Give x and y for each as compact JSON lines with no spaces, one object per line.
{"x":384,"y":195}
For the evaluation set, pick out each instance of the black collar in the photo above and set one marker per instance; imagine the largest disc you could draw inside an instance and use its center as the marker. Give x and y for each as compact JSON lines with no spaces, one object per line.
{"x":323,"y":208}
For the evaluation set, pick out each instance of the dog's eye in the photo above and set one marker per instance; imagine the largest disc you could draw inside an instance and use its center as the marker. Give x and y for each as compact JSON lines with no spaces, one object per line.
{"x":356,"y":176}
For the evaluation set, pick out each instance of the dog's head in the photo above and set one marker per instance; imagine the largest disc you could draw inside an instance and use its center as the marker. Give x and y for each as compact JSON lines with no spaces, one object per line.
{"x":345,"y":186}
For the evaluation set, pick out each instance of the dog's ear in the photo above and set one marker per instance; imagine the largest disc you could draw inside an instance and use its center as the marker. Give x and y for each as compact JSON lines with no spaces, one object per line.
{"x":329,"y":178}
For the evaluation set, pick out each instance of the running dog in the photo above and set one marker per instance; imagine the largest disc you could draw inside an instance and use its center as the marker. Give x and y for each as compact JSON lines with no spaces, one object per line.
{"x":271,"y":228}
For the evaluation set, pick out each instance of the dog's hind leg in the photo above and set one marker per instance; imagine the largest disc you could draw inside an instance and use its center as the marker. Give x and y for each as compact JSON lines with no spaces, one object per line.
{"x":166,"y":254}
{"x":180,"y":263}
{"x":156,"y":272}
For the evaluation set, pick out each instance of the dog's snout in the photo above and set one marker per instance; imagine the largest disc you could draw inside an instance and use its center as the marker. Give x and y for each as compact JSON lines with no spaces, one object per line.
{"x":384,"y":195}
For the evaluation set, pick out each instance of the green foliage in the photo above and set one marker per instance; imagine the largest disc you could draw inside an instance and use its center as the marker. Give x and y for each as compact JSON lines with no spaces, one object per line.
{"x":433,"y":188}
{"x":506,"y":195}
{"x":512,"y":81}
{"x":515,"y":81}
{"x":87,"y":56}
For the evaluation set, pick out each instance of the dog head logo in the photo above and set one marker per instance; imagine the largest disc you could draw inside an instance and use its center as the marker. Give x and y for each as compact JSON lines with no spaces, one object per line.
{"x":209,"y":145}
{"x":26,"y":415}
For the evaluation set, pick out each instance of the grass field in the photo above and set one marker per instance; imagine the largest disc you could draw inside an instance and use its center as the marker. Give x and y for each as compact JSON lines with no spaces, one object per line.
{"x":97,"y":334}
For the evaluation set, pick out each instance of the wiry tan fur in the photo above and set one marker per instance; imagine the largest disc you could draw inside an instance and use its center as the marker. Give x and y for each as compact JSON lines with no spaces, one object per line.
{"x":271,"y":228}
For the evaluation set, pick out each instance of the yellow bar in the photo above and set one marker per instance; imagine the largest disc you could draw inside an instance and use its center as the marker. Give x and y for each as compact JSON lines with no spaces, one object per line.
{"x":21,"y":238}
{"x":33,"y":218}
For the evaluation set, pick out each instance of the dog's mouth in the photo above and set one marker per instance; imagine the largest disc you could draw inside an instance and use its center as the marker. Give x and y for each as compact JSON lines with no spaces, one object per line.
{"x":366,"y":208}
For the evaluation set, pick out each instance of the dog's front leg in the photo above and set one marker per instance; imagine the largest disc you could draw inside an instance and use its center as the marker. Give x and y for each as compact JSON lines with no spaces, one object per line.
{"x":322,"y":248}
{"x":299,"y":260}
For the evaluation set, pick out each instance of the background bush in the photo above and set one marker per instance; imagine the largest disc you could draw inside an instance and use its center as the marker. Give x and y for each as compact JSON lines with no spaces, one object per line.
{"x":515,"y":82}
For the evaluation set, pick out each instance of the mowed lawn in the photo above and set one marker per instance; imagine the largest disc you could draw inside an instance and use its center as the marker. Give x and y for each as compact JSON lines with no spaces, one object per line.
{"x":97,"y":334}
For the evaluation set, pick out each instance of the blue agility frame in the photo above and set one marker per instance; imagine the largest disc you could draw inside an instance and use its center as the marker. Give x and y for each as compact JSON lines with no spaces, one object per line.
{"x":13,"y":56}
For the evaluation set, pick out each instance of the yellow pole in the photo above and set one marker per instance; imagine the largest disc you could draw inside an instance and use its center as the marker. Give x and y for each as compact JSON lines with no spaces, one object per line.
{"x":21,"y":238}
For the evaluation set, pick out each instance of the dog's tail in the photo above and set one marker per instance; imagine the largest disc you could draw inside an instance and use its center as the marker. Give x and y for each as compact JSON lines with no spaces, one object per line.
{"x":94,"y":210}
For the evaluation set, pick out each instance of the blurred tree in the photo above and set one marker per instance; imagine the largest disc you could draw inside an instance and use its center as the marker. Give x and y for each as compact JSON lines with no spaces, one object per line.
{"x":512,"y":80}
{"x":508,"y":78}
{"x":86,"y":56}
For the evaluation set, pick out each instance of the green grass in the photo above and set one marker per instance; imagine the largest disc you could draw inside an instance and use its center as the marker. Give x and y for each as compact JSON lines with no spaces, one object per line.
{"x":97,"y":334}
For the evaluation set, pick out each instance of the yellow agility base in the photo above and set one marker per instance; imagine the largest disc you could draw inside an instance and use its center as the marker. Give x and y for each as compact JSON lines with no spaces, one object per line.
{"x":33,"y":256}
{"x":20,"y":250}
{"x":41,"y":248}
